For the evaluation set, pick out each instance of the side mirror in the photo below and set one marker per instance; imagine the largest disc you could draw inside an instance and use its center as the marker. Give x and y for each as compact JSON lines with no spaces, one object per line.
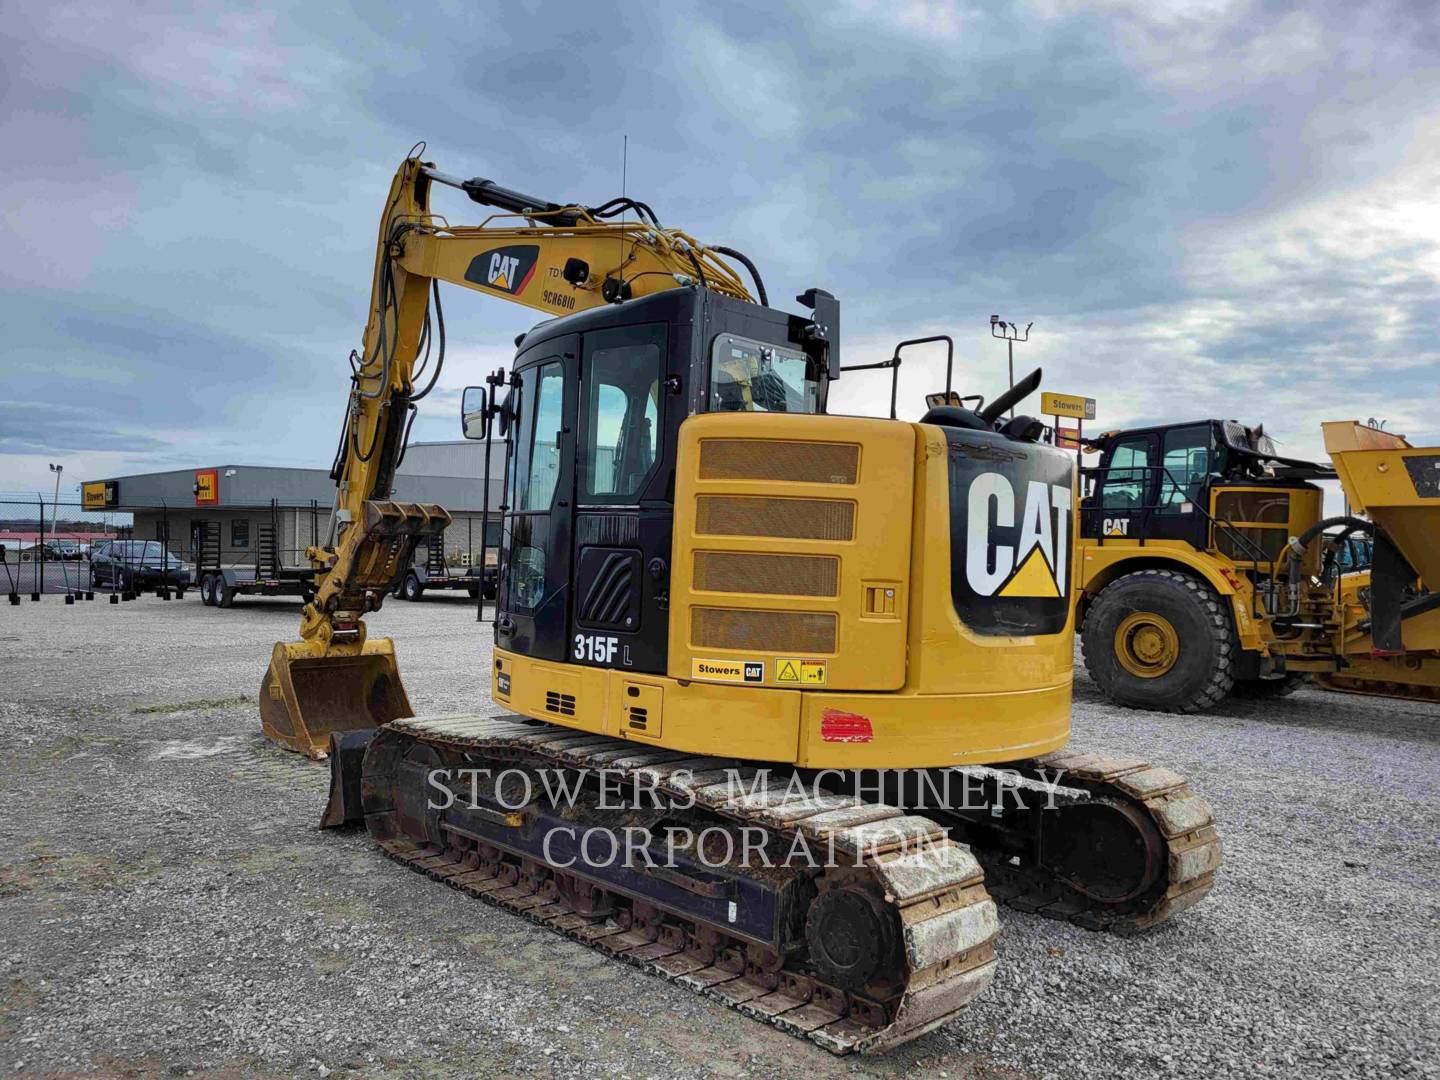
{"x":475,"y":413}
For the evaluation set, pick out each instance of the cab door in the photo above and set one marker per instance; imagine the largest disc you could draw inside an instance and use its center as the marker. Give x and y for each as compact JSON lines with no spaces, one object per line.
{"x":535,"y":593}
{"x":1125,"y":491}
{"x":624,"y":512}
{"x":1186,"y":461}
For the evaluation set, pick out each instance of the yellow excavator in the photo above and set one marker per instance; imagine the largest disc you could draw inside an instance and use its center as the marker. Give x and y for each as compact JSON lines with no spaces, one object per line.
{"x":826,"y":658}
{"x":1205,"y":566}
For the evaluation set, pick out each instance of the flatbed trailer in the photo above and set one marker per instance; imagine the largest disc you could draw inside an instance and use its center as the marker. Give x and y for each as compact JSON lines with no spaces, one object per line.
{"x":266,"y":576}
{"x":219,"y":587}
{"x":428,"y":570}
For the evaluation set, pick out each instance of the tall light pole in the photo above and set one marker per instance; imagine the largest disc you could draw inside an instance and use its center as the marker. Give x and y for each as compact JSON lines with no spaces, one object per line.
{"x":1010,"y":333}
{"x":55,"y":510}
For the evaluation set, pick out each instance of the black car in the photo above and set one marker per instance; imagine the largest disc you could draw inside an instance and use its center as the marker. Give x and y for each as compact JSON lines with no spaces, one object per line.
{"x":136,"y":565}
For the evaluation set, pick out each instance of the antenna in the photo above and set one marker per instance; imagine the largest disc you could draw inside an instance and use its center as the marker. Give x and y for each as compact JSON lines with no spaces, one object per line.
{"x":1010,"y":333}
{"x":624,"y":177}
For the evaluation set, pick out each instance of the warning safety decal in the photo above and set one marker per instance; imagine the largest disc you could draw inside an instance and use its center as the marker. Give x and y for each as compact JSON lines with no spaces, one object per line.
{"x":800,"y":672}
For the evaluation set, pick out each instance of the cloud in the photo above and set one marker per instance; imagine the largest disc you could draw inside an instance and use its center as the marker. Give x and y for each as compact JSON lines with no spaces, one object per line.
{"x":1222,"y":208}
{"x":37,"y":427}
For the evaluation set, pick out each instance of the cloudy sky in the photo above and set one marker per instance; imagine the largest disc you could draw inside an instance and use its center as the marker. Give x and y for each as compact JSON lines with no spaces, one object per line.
{"x":1206,"y":207}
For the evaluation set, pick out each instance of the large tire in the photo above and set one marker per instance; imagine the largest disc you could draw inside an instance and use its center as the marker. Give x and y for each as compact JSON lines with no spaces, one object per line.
{"x":411,"y":589}
{"x":224,"y":594}
{"x":1268,"y":689}
{"x":1161,"y":640}
{"x":207,"y":590}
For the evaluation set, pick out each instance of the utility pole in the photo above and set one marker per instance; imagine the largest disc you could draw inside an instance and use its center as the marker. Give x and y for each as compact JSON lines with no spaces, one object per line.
{"x":55,"y":510}
{"x":1010,"y":333}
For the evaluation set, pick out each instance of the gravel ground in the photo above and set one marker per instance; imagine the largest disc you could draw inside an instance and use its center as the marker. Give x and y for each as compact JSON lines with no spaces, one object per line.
{"x":168,"y":906}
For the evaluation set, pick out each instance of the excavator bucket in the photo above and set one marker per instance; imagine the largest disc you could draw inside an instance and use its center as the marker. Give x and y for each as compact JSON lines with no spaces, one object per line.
{"x":303,"y":697}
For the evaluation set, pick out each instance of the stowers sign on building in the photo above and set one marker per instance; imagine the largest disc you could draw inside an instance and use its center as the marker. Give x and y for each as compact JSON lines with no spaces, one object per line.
{"x":100,"y":495}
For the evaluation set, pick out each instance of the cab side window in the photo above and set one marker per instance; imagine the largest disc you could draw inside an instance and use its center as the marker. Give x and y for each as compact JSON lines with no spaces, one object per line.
{"x":620,"y":421}
{"x":545,"y":452}
{"x":1126,"y":476}
{"x":1186,"y":464}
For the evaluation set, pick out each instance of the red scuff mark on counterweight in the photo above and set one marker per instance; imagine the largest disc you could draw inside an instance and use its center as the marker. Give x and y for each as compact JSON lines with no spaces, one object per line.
{"x":839,"y":726}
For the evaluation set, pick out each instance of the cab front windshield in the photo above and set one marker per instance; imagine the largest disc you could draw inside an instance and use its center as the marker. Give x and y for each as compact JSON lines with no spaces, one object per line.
{"x":750,"y":376}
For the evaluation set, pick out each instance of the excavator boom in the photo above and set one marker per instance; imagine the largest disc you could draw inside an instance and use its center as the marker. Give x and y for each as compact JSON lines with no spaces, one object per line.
{"x":555,"y":258}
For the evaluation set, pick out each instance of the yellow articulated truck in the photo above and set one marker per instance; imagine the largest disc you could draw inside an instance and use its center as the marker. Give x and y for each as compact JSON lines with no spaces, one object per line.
{"x":1206,"y":567}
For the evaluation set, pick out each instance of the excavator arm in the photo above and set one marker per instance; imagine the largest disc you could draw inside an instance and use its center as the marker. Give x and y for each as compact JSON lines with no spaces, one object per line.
{"x":555,"y":258}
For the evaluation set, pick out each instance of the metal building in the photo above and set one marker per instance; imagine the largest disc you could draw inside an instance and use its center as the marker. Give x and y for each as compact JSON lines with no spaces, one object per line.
{"x":293,"y":505}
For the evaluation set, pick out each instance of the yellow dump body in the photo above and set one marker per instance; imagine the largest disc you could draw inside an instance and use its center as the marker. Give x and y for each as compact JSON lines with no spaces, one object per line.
{"x":1396,"y":485}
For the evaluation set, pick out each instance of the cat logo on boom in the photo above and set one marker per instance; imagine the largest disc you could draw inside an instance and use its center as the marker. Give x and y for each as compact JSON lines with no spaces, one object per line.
{"x":505,"y":269}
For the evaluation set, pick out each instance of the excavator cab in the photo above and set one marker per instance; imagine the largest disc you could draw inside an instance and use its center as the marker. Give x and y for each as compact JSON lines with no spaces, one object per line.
{"x":597,"y":400}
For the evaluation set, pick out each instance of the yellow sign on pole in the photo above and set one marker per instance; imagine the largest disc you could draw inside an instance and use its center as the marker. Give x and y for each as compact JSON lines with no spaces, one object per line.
{"x":1053,"y":404}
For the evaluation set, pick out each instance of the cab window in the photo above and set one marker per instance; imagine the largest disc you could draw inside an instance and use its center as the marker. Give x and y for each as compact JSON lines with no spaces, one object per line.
{"x":1186,"y":465}
{"x":751,"y":376}
{"x":1126,"y":476}
{"x":535,"y":466}
{"x":620,"y":423}
{"x":536,"y":461}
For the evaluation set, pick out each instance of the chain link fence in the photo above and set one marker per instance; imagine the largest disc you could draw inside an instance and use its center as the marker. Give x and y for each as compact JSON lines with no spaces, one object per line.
{"x":60,"y":547}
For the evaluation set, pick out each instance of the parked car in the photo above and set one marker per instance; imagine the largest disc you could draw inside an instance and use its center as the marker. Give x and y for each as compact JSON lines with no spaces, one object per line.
{"x":63,"y":549}
{"x":137,"y":565}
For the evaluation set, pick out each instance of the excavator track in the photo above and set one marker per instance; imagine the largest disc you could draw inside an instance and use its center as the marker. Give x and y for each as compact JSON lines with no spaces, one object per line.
{"x":1169,"y":837}
{"x":888,"y":938}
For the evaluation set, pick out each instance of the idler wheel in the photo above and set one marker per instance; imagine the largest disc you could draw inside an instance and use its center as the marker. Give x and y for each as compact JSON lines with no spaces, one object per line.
{"x":853,"y":937}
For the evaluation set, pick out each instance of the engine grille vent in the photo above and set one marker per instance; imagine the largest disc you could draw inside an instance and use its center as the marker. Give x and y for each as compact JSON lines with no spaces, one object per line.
{"x":639,"y":718}
{"x":773,"y":575}
{"x":810,"y":632}
{"x":797,"y":519}
{"x":779,"y":459}
{"x":561,"y":704}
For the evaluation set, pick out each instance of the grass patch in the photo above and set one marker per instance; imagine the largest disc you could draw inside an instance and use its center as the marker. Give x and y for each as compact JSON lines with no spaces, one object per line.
{"x":186,"y":706}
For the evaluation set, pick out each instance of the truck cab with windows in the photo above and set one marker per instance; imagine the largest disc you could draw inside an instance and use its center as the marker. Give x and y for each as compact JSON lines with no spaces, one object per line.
{"x":1183,"y":538}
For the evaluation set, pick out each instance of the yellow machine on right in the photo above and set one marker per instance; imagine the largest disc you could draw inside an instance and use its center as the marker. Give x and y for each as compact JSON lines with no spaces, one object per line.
{"x":1206,"y":568}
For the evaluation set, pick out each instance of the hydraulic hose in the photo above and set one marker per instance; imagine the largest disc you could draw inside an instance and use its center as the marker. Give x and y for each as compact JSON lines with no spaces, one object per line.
{"x":1298,"y":546}
{"x":754,"y":273}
